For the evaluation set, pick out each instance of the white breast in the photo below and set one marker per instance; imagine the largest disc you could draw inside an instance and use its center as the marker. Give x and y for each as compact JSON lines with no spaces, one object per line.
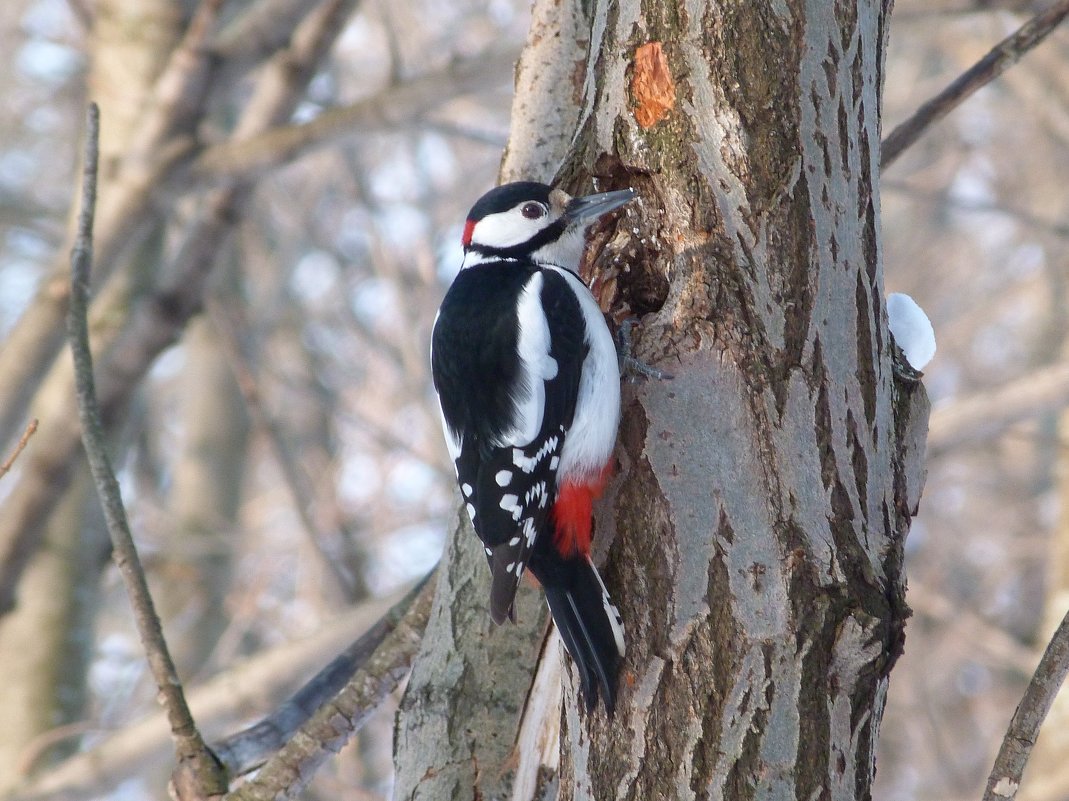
{"x":592,"y":435}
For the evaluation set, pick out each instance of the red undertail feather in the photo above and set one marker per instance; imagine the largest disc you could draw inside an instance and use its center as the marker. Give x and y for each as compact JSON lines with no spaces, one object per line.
{"x":573,"y":514}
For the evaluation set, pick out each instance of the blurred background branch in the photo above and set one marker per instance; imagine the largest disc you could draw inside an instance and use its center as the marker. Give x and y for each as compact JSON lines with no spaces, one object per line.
{"x":1003,"y":56}
{"x":305,"y":168}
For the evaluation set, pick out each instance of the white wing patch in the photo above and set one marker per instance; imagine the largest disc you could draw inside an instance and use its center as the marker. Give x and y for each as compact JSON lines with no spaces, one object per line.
{"x":612,"y":613}
{"x":452,"y":439}
{"x":511,"y":504}
{"x":536,"y":366}
{"x":528,"y":463}
{"x":529,"y":531}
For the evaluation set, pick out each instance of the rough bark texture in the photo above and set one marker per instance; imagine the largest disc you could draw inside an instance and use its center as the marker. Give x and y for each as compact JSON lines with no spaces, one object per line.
{"x":465,"y":696}
{"x":757,"y":521}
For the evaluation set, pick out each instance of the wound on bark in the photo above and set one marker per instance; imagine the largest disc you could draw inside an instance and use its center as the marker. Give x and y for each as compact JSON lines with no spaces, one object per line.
{"x":652,"y":86}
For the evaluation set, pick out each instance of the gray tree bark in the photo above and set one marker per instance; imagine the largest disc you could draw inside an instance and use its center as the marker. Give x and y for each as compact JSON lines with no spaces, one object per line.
{"x":754,"y":531}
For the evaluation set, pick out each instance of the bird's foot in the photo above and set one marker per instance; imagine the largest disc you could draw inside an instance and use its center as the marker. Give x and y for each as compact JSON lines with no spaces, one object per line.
{"x":631,"y":367}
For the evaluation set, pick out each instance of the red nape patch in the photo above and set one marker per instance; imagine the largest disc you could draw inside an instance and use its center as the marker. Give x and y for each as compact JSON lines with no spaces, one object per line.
{"x":469,"y":227}
{"x":573,"y":513}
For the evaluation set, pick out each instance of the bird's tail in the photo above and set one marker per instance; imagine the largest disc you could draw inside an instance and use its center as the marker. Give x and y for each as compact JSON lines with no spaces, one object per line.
{"x":589,"y":624}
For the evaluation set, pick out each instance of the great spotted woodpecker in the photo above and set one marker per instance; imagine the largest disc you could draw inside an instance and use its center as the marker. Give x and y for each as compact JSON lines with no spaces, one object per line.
{"x":529,"y":386}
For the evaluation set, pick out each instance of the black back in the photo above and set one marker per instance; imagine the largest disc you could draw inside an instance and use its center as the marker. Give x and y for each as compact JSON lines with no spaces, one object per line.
{"x":474,"y":364}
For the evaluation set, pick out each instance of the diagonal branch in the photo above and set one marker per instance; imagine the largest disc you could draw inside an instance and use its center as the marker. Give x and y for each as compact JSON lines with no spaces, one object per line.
{"x":125,"y":215}
{"x":247,"y":689}
{"x":31,"y":429}
{"x":158,"y":318}
{"x":1003,"y":56}
{"x":191,"y":750}
{"x":249,"y":749}
{"x":1016,"y":747}
{"x":251,"y":157}
{"x":164,"y":141}
{"x":335,"y":721}
{"x":264,"y":28}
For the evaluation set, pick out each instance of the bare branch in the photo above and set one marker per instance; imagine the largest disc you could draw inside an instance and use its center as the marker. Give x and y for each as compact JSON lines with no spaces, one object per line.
{"x":1003,"y":56}
{"x":334,"y":722}
{"x":1012,"y":757}
{"x":181,"y":90}
{"x":251,"y":157}
{"x":158,"y":318}
{"x":249,"y":749}
{"x":190,"y":748}
{"x":130,"y":209}
{"x":163,"y":139}
{"x":263,"y":29}
{"x":223,"y":702}
{"x":31,"y":429}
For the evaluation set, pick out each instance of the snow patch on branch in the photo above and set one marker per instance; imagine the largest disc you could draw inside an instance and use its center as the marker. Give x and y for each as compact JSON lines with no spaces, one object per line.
{"x":911,"y":329}
{"x":1006,"y":787}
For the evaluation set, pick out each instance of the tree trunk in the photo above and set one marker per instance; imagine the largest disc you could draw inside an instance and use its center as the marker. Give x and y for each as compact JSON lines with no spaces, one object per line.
{"x":204,"y":499}
{"x":754,"y":533}
{"x":46,"y":644}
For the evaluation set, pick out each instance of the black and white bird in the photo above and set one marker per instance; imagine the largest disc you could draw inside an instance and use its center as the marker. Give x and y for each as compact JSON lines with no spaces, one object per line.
{"x":528,"y":381}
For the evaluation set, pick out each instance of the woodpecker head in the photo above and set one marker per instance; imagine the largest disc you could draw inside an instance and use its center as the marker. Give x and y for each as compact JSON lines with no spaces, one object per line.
{"x":528,"y":220}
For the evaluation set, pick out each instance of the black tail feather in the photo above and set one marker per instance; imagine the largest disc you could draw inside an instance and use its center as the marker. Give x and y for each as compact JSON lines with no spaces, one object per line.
{"x":588,"y":623}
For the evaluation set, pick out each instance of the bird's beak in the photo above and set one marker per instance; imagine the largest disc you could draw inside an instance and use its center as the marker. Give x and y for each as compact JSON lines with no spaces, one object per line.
{"x":584,"y":210}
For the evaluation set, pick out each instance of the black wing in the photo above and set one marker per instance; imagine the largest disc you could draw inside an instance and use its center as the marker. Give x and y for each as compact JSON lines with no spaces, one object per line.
{"x":509,"y":489}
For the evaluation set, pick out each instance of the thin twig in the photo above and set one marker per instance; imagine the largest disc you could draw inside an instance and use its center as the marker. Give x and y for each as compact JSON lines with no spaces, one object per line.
{"x":1003,"y":56}
{"x":249,"y":749}
{"x":1012,"y":757}
{"x":189,"y":745}
{"x":31,"y":429}
{"x":286,"y":774}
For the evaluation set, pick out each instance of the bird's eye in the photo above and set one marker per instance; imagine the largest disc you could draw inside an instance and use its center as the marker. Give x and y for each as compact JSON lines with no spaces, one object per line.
{"x":532,"y":211}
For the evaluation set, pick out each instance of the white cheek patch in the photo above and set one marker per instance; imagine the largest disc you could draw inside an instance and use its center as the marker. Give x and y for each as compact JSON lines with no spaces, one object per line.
{"x":505,"y":229}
